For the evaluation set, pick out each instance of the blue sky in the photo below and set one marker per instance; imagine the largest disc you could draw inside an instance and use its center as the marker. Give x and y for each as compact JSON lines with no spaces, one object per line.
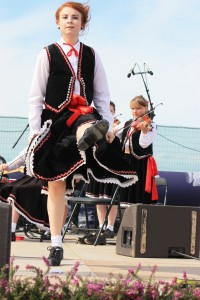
{"x":164,"y":34}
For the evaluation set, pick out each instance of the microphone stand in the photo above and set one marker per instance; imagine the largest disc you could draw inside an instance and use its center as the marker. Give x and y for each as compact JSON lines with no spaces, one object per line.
{"x":20,"y":136}
{"x":152,"y":115}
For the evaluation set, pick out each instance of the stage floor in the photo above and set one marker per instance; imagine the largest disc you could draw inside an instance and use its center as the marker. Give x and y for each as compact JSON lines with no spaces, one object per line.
{"x":99,"y":261}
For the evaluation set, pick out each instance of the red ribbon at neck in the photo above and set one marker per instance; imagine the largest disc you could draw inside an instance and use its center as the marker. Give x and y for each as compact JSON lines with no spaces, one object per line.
{"x":69,"y":53}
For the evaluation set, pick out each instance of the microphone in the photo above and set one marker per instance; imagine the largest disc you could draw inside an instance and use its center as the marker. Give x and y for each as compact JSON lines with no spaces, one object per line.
{"x":146,"y":72}
{"x":117,"y":116}
{"x":131,"y":71}
{"x":147,"y":69}
{"x":150,"y":72}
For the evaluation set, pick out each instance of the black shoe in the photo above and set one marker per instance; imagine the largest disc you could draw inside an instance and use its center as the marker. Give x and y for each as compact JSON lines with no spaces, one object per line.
{"x":45,"y":236}
{"x":93,"y":134}
{"x":55,"y":255}
{"x":13,"y":236}
{"x":81,"y":240}
{"x":91,"y":239}
{"x":74,"y":228}
{"x":109,"y":233}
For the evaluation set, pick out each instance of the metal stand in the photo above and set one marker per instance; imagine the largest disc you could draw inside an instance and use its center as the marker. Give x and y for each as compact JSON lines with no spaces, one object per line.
{"x":20,"y":136}
{"x":146,"y":71}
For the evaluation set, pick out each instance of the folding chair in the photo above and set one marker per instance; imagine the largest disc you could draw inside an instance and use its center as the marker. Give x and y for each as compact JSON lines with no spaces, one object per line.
{"x":93,"y":201}
{"x":161,"y":181}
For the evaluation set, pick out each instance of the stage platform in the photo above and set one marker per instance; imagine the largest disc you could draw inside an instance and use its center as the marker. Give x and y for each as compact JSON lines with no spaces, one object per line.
{"x":98,"y":261}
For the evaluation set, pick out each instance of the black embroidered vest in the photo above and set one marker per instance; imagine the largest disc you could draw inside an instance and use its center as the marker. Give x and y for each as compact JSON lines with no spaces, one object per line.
{"x":61,"y":79}
{"x":135,"y":148}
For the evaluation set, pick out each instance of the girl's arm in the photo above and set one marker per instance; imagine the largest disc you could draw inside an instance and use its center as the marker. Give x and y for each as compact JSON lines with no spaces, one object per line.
{"x":147,"y":139}
{"x":17,"y":162}
{"x":38,"y":92}
{"x":101,"y":92}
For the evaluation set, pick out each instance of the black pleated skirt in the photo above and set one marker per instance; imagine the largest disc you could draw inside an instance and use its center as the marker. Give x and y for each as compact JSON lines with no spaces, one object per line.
{"x":54,"y":155}
{"x":25,"y":194}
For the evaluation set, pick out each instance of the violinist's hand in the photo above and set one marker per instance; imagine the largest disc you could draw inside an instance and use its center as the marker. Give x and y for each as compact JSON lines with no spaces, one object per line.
{"x":110,"y":137}
{"x":4,"y":167}
{"x":144,"y":127}
{"x":116,"y":122}
{"x":4,"y":180}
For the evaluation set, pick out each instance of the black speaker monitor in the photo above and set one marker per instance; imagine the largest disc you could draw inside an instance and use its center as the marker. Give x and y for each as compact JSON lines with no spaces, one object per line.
{"x":159,"y":231}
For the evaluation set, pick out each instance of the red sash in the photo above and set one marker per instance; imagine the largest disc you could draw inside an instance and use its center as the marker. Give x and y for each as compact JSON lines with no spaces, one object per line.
{"x":79,"y":107}
{"x":150,"y":178}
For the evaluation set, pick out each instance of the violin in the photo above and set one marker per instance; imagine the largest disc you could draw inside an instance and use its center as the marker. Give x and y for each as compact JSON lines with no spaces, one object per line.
{"x":142,"y":123}
{"x":20,"y":170}
{"x":116,"y":120}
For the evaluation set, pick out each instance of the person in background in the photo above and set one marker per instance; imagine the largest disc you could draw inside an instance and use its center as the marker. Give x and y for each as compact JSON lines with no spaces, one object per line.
{"x":101,"y":190}
{"x":3,"y":178}
{"x":22,"y":193}
{"x":65,"y":130}
{"x":105,"y":191}
{"x":26,"y":198}
{"x":113,"y":112}
{"x":137,"y":136}
{"x":78,"y":191}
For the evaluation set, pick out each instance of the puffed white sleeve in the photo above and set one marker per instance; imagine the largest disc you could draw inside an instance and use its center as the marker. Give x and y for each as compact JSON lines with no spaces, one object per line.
{"x":38,"y":92}
{"x":147,"y":139}
{"x":101,"y":92}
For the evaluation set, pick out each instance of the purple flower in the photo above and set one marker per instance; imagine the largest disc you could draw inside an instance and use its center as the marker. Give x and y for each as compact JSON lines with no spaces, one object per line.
{"x":154,"y":269}
{"x":46,"y":261}
{"x":76,"y":265}
{"x":74,"y":270}
{"x":185,"y":276}
{"x":3,"y":283}
{"x":177,"y":295}
{"x":12,"y":259}
{"x":131,"y":271}
{"x":129,"y":286}
{"x":46,"y":281}
{"x":76,"y":282}
{"x":94,"y":287}
{"x":30,"y":267}
{"x":196,"y":293}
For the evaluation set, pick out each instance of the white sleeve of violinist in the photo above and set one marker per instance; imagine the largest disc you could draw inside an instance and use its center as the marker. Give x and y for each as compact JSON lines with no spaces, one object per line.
{"x":147,"y":139}
{"x":18,"y":161}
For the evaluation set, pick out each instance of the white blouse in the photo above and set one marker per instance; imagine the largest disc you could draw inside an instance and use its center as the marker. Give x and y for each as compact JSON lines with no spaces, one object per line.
{"x":37,"y":94}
